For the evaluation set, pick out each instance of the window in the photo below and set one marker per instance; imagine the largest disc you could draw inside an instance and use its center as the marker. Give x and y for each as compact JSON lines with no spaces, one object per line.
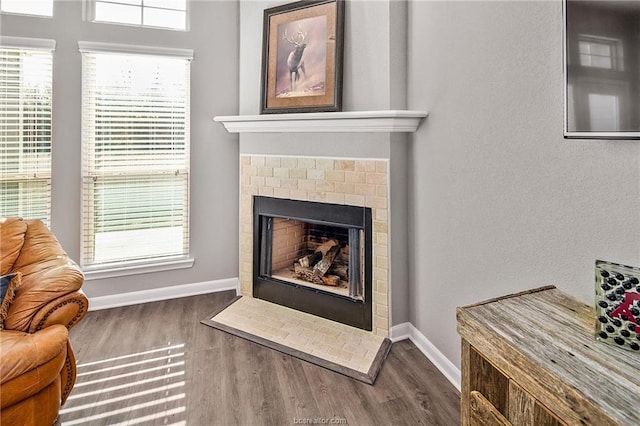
{"x":170,"y":14}
{"x":135,"y":155}
{"x":601,"y":52}
{"x":25,"y":128}
{"x":604,"y":112}
{"x":27,"y":7}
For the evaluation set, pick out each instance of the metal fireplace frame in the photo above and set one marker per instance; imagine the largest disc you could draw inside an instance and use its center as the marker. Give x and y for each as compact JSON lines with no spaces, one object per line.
{"x":325,"y":304}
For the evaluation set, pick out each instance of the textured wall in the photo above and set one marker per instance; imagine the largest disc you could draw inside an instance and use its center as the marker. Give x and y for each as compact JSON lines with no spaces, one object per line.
{"x":499,"y":201}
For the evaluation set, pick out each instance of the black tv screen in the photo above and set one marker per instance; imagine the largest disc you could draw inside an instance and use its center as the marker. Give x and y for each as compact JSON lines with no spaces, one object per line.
{"x":602,"y":68}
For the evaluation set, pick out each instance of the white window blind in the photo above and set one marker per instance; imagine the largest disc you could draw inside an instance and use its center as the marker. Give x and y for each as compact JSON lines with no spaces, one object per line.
{"x":135,"y":157}
{"x":25,"y":131}
{"x":170,"y":14}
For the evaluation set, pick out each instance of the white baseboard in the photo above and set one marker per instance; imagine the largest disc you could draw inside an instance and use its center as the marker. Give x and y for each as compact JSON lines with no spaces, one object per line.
{"x":447,"y":368}
{"x":162,"y":293}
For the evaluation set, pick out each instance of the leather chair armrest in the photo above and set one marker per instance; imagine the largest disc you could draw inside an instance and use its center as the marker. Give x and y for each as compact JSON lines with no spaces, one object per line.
{"x":66,"y":310}
{"x":30,"y":362}
{"x":43,"y":288}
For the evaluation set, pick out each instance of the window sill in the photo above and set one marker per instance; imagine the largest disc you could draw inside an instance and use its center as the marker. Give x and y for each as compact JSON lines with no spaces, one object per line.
{"x":99,"y":273}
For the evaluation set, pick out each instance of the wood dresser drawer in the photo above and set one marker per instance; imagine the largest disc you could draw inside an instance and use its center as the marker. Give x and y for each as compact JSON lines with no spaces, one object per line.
{"x":483,"y":413}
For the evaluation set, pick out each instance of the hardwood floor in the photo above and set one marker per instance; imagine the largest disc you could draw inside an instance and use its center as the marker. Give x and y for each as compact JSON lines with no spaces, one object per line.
{"x":156,"y":364}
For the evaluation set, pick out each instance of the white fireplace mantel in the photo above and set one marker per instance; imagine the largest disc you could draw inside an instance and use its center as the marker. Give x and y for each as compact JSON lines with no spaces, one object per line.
{"x":325,"y":122}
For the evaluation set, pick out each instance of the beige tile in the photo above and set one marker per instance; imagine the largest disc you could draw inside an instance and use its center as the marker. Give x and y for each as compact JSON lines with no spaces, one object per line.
{"x":272,"y":182}
{"x":376,"y":178}
{"x":250,"y":171}
{"x":381,"y":262}
{"x":289,"y":183}
{"x":366,"y":189}
{"x":365,"y":165}
{"x":325,"y":186}
{"x":354,"y":200}
{"x":281,"y":192}
{"x":345,"y":165}
{"x":377,"y":202}
{"x":317,"y":196}
{"x":335,"y":198}
{"x":380,"y":226}
{"x":324,"y":164}
{"x":298,"y":173}
{"x":272,"y":161}
{"x":257,"y":181}
{"x":289,"y":162}
{"x":281,"y":172}
{"x":299,"y":194}
{"x":306,"y":163}
{"x":354,"y":177}
{"x":257,"y":161}
{"x":335,"y":175}
{"x":306,"y":184}
{"x":265,"y":171}
{"x":266,"y":191}
{"x":381,"y":214}
{"x":344,"y":188}
{"x":315,"y":174}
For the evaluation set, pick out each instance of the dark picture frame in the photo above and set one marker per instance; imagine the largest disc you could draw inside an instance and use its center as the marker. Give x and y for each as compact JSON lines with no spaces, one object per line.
{"x":302,"y":55}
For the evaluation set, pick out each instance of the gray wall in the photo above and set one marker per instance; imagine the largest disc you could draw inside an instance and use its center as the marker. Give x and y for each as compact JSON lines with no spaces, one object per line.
{"x":375,"y":33}
{"x":214,"y":152}
{"x":500,"y":202}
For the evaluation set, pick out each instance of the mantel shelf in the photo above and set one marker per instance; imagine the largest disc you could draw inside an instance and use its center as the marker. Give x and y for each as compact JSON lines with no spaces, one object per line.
{"x":352,"y":121}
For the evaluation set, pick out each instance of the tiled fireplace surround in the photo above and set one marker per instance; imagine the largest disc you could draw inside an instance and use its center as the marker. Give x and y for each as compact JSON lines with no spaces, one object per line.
{"x":355,"y":158}
{"x":357,"y":182}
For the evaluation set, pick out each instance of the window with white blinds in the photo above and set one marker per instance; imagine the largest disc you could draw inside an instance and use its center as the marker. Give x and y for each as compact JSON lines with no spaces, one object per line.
{"x":25,"y":128}
{"x":27,"y":7}
{"x":135,"y":157}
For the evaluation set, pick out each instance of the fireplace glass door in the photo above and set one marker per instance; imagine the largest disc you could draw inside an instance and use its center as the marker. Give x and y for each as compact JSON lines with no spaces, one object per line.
{"x":323,"y":257}
{"x":314,"y":257}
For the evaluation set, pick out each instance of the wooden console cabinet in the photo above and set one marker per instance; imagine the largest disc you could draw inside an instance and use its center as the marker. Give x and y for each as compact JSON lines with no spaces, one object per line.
{"x":532,"y":359}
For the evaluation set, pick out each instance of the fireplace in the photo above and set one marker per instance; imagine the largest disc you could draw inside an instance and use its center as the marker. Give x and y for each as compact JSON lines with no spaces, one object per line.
{"x":314,"y":257}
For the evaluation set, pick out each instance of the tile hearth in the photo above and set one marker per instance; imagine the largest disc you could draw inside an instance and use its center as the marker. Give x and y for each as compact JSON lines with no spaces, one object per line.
{"x":344,"y":349}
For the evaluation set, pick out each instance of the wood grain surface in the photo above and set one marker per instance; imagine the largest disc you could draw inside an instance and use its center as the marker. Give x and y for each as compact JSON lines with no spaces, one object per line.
{"x":156,"y":364}
{"x":544,"y":341}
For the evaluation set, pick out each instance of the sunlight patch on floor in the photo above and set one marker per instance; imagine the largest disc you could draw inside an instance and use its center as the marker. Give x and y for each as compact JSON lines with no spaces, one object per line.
{"x":117,"y":391}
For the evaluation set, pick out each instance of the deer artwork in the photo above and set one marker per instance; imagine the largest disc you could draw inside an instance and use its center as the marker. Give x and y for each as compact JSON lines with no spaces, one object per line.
{"x":295,"y":61}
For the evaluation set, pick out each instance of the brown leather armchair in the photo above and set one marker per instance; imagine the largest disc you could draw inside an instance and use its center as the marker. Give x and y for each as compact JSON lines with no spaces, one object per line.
{"x":38,"y":368}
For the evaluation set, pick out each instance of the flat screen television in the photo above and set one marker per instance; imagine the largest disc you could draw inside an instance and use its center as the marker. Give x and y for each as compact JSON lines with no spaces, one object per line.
{"x":602,"y":69}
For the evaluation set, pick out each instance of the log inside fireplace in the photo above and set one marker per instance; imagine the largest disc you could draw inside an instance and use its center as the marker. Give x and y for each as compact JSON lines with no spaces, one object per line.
{"x":314,"y":257}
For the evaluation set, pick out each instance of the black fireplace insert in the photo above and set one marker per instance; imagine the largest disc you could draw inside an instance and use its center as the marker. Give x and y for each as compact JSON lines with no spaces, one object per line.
{"x":314,"y":257}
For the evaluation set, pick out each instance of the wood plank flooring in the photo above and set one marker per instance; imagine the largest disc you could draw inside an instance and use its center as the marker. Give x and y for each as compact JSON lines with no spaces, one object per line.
{"x":155,"y":364}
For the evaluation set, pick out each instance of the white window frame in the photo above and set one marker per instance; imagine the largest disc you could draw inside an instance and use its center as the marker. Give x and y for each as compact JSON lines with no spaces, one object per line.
{"x":89,"y":12}
{"x":616,"y":52}
{"x":39,"y":15}
{"x":44,"y":46}
{"x":124,"y":268}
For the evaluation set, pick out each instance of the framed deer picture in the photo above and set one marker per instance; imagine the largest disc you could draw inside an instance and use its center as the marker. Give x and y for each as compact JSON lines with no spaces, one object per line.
{"x":302,"y":57}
